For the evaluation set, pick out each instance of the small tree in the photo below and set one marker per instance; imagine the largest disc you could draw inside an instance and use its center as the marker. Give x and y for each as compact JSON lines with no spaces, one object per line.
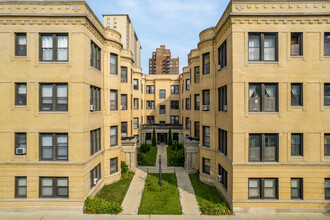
{"x":153,"y":140}
{"x":169,"y":137}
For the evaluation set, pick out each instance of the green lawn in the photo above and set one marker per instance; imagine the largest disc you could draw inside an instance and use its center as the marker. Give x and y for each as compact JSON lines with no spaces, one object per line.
{"x":149,"y":157}
{"x":162,"y":200}
{"x":116,"y":192}
{"x":209,"y":199}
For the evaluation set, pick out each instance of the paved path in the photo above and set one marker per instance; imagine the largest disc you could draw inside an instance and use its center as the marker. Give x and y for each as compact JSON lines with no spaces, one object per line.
{"x":187,"y":195}
{"x":133,"y":196}
{"x":80,"y":216}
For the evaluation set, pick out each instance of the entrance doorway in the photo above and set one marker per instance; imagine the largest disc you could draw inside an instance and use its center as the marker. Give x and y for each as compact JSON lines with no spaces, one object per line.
{"x":162,"y":138}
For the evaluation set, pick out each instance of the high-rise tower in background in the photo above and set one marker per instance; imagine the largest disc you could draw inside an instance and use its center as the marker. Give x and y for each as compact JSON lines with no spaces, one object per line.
{"x":122,"y":23}
{"x":162,"y":63}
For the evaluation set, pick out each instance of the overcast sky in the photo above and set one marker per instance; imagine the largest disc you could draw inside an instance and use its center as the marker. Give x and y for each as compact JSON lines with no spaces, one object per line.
{"x":175,"y":23}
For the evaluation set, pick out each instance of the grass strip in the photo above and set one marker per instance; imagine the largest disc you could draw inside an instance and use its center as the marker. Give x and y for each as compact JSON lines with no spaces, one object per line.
{"x":209,"y":199}
{"x":160,"y":200}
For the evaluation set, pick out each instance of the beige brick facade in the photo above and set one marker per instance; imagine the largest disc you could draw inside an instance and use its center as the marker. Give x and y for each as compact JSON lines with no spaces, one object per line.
{"x":77,"y":22}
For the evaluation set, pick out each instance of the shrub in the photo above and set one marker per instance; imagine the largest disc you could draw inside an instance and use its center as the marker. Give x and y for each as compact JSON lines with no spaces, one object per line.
{"x":101,"y":206}
{"x":144,"y":148}
{"x":174,"y":147}
{"x":180,"y":146}
{"x":140,"y":158}
{"x":153,"y":184}
{"x":153,"y":140}
{"x":215,"y":209}
{"x":170,"y":142}
{"x":124,"y":167}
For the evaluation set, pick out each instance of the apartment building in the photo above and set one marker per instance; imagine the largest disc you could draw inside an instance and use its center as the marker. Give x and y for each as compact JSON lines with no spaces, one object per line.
{"x":162,"y":63}
{"x":257,"y":87}
{"x":253,"y":103}
{"x":122,"y":23}
{"x":61,"y":81}
{"x":75,"y":100}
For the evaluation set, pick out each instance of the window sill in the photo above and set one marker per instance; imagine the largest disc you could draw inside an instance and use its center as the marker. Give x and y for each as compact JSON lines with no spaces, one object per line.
{"x":297,"y":107}
{"x":93,"y":68}
{"x":20,"y":106}
{"x":222,"y":112}
{"x":20,"y":156}
{"x":297,"y":157}
{"x":222,"y":68}
{"x":263,"y":62}
{"x":206,"y":148}
{"x":114,"y":174}
{"x":94,"y":112}
{"x":21,"y":57}
{"x":297,"y":56}
{"x":52,"y":112}
{"x":206,"y":174}
{"x":114,"y":147}
{"x":113,"y":110}
{"x":205,"y":111}
{"x":263,"y":113}
{"x":53,"y":62}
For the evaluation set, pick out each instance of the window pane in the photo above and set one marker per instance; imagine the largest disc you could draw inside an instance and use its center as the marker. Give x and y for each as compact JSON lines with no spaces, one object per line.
{"x":21,"y":181}
{"x":269,"y":193}
{"x":21,"y":88}
{"x":254,"y":183}
{"x":47,"y":182}
{"x":47,"y":48}
{"x":47,"y":140}
{"x":47,"y":90}
{"x":269,"y":47}
{"x":327,"y":183}
{"x":21,"y":39}
{"x":295,"y":95}
{"x":62,"y":182}
{"x":270,"y":147}
{"x":254,"y":97}
{"x":62,"y":191}
{"x":22,"y":191}
{"x":295,"y":183}
{"x":254,"y":47}
{"x":326,"y":94}
{"x":254,"y":192}
{"x":326,"y":44}
{"x":255,"y":144}
{"x":62,"y":97}
{"x":270,"y":98}
{"x":62,"y":51}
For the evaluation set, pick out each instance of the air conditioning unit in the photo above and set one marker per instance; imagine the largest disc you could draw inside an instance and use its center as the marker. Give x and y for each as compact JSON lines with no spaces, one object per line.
{"x":123,"y":107}
{"x":92,"y":108}
{"x":225,"y":107}
{"x":20,"y":151}
{"x":206,"y":108}
{"x":123,"y":80}
{"x":219,"y":66}
{"x":219,"y":178}
{"x":95,"y":180}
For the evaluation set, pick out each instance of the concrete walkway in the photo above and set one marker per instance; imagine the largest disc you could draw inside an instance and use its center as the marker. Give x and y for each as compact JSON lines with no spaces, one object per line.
{"x":187,"y":195}
{"x":133,"y":196}
{"x":80,"y":216}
